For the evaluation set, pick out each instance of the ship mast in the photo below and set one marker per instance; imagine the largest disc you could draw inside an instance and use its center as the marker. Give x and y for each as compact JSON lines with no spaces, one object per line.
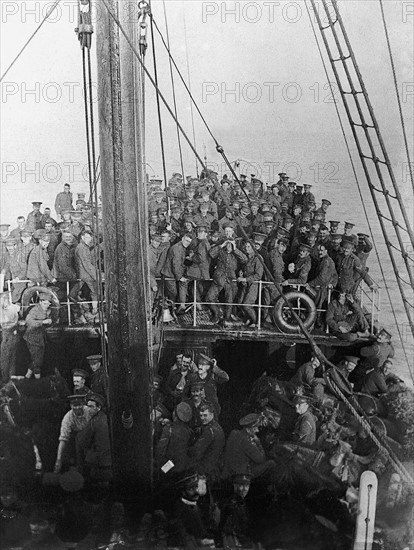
{"x":126,"y":263}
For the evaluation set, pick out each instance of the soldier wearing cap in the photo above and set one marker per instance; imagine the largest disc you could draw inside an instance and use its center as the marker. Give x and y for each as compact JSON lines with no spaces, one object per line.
{"x":349,"y":267}
{"x":347,"y":365}
{"x":64,"y":200}
{"x":348,"y":227}
{"x":196,"y":399}
{"x":212,"y":206}
{"x":227,"y":221}
{"x":86,"y":265}
{"x":305,"y":427}
{"x":46,"y":217}
{"x":326,"y":276}
{"x":244,"y":453}
{"x":209,"y":373}
{"x":21,"y":224}
{"x":14,"y":268}
{"x":308,"y":196}
{"x":79,"y":377}
{"x":374,"y":382}
{"x":333,"y":226}
{"x":37,"y":320}
{"x":92,"y":442}
{"x":298,"y":196}
{"x":38,"y":270}
{"x":305,"y":378}
{"x":323,"y":209}
{"x":324,"y":236}
{"x":335,"y":246}
{"x":234,"y":520}
{"x":346,"y":319}
{"x":373,"y":356}
{"x":34,"y":217}
{"x":206,"y":452}
{"x":244,"y":222}
{"x":9,"y":316}
{"x":72,"y":423}
{"x":300,"y":268}
{"x":42,"y":523}
{"x":277,"y":267}
{"x":199,"y":268}
{"x":64,"y":260}
{"x":175,"y":439}
{"x":174,"y":272}
{"x":204,"y":217}
{"x":248,"y":284}
{"x":158,"y":201}
{"x":99,"y":380}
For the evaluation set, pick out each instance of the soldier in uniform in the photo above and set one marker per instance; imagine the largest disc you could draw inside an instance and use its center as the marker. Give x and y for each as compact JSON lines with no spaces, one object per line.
{"x":199,"y":269}
{"x":326,"y":276}
{"x":212,"y":206}
{"x":98,"y":380}
{"x":79,"y":377}
{"x":46,"y":217}
{"x":34,"y":217}
{"x":373,"y":356}
{"x":234,"y":521}
{"x":175,"y":268}
{"x":335,"y":246}
{"x":323,"y":209}
{"x":209,"y":373}
{"x":244,"y":453}
{"x":176,"y":387}
{"x":14,"y":269}
{"x":348,"y":267}
{"x":9,"y":316}
{"x":37,"y":320}
{"x":300,"y":268}
{"x":308,"y":197}
{"x":305,"y":377}
{"x":333,"y":226}
{"x":252,"y":272}
{"x":348,"y":227}
{"x":42,"y":524}
{"x":21,"y":224}
{"x":206,"y":453}
{"x":37,"y":264}
{"x":85,"y":261}
{"x":346,"y":319}
{"x":63,"y":201}
{"x":175,"y":439}
{"x":305,"y":427}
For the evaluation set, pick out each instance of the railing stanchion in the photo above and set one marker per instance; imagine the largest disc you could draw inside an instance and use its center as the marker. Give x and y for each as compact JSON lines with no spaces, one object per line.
{"x":195,"y":303}
{"x":68,"y":302}
{"x":259,"y":310}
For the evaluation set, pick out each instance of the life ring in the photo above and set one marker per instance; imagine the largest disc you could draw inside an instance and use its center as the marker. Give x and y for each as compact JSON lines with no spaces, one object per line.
{"x":30,"y":297}
{"x":304,"y":306}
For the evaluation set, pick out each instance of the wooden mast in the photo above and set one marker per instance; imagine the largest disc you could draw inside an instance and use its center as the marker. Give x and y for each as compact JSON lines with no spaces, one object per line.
{"x":126,"y":258}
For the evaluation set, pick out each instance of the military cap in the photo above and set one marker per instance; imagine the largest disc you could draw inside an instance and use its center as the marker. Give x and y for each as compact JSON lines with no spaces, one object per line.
{"x":159,"y":194}
{"x":177,"y":175}
{"x":80,"y":202}
{"x":363,"y":235}
{"x":80,"y":372}
{"x":156,"y":181}
{"x":201,"y":228}
{"x":299,"y":399}
{"x":245,"y":210}
{"x":256,"y":183}
{"x":326,"y":201}
{"x":297,"y":207}
{"x":99,"y":399}
{"x":242,"y":175}
{"x":265,"y":208}
{"x":307,"y":185}
{"x":306,"y":215}
{"x":283,"y":232}
{"x":184,"y":412}
{"x":92,"y":359}
{"x":299,"y":187}
{"x":346,"y":243}
{"x":215,"y":234}
{"x":250,"y":420}
{"x":283,"y":240}
{"x":86,"y":231}
{"x":77,"y":397}
{"x":241,"y":479}
{"x":236,"y":202}
{"x":349,"y":224}
{"x":334,"y":223}
{"x":284,"y":204}
{"x":288,"y":218}
{"x":385,"y":332}
{"x":282,"y":174}
{"x":175,"y":208}
{"x":156,"y":237}
{"x":189,"y":481}
{"x":41,"y":234}
{"x":254,"y":203}
{"x":36,"y":203}
{"x":43,"y":512}
{"x":336,"y":237}
{"x":285,"y":178}
{"x":66,"y":211}
{"x":323,"y":227}
{"x":351,"y":359}
{"x":305,"y":225}
{"x":259,"y":237}
{"x":196,"y":384}
{"x":306,"y":247}
{"x":25,"y":233}
{"x":10,"y":241}
{"x":205,"y":358}
{"x":313,"y":233}
{"x":267,"y":216}
{"x":318,"y":216}
{"x":44,"y":296}
{"x":269,"y":223}
{"x":4,"y":226}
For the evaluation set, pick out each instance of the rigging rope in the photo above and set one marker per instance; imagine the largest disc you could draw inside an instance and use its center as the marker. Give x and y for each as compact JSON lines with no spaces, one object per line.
{"x":309,"y":338}
{"x":189,"y":87}
{"x":361,"y":196}
{"x":173,"y":92}
{"x":48,"y":14}
{"x":397,"y":92}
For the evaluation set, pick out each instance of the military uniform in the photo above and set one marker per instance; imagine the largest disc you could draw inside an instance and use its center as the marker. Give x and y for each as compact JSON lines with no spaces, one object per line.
{"x":35,"y":336}
{"x":349,"y":313}
{"x":63,"y":201}
{"x":235,"y":525}
{"x":305,"y":429}
{"x":173,"y":445}
{"x":244,"y":454}
{"x":374,"y":383}
{"x":93,"y":445}
{"x":207,"y":451}
{"x":86,"y":271}
{"x":64,"y":262}
{"x":37,"y":266}
{"x":326,"y":275}
{"x":252,"y":272}
{"x":348,"y":267}
{"x":175,"y":268}
{"x":301,"y":271}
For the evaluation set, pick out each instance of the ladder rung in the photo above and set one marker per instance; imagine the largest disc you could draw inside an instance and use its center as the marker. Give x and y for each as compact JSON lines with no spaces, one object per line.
{"x":353,"y":92}
{"x":408,"y":303}
{"x":330,"y":25}
{"x":342,"y":58}
{"x":363,"y":125}
{"x":387,"y":193}
{"x":404,"y":281}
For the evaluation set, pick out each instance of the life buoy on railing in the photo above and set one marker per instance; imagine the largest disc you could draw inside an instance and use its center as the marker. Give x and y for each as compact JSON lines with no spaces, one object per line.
{"x":30,"y":297}
{"x":303,"y":305}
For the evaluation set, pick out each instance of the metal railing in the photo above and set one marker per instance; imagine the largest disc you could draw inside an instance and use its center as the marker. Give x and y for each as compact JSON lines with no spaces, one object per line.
{"x":368,"y":299}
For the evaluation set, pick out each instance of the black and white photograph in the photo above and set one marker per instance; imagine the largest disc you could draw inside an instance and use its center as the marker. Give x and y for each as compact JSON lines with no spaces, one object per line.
{"x":207,"y":275}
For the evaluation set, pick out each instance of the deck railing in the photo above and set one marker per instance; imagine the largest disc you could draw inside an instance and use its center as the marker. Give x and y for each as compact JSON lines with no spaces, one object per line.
{"x":370,"y":301}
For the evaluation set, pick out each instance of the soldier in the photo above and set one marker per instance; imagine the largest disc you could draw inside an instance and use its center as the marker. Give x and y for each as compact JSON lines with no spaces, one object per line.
{"x":300,"y":268}
{"x":277,"y":268}
{"x":333,"y":226}
{"x":15,"y":269}
{"x":175,"y":439}
{"x":9,"y":316}
{"x":305,"y":427}
{"x":346,"y":319}
{"x":308,"y":197}
{"x":199,"y":269}
{"x":207,"y":450}
{"x":234,"y":520}
{"x":98,"y":380}
{"x":72,"y":423}
{"x":374,"y":382}
{"x":37,"y":265}
{"x":348,"y":267}
{"x":174,"y":272}
{"x":326,"y":276}
{"x":244,"y":222}
{"x":21,"y":225}
{"x":46,"y":217}
{"x":204,"y":217}
{"x":373,"y":356}
{"x":298,"y":196}
{"x":347,"y":365}
{"x":252,"y":272}
{"x":79,"y":377}
{"x":323,"y":209}
{"x":37,"y":320}
{"x":64,"y":260}
{"x":305,"y":378}
{"x":348,"y":227}
{"x":244,"y":453}
{"x":63,"y":200}
{"x":86,"y":266}
{"x":34,"y":217}
{"x":196,"y":399}
{"x":209,"y":373}
{"x":176,"y":385}
{"x":92,"y":442}
{"x":42,"y":524}
{"x":212,"y":206}
{"x":228,"y":257}
{"x":335,"y":246}
{"x":227,"y":221}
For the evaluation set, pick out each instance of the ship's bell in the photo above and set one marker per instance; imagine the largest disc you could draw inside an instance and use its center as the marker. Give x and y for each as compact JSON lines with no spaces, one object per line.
{"x":166,"y":315}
